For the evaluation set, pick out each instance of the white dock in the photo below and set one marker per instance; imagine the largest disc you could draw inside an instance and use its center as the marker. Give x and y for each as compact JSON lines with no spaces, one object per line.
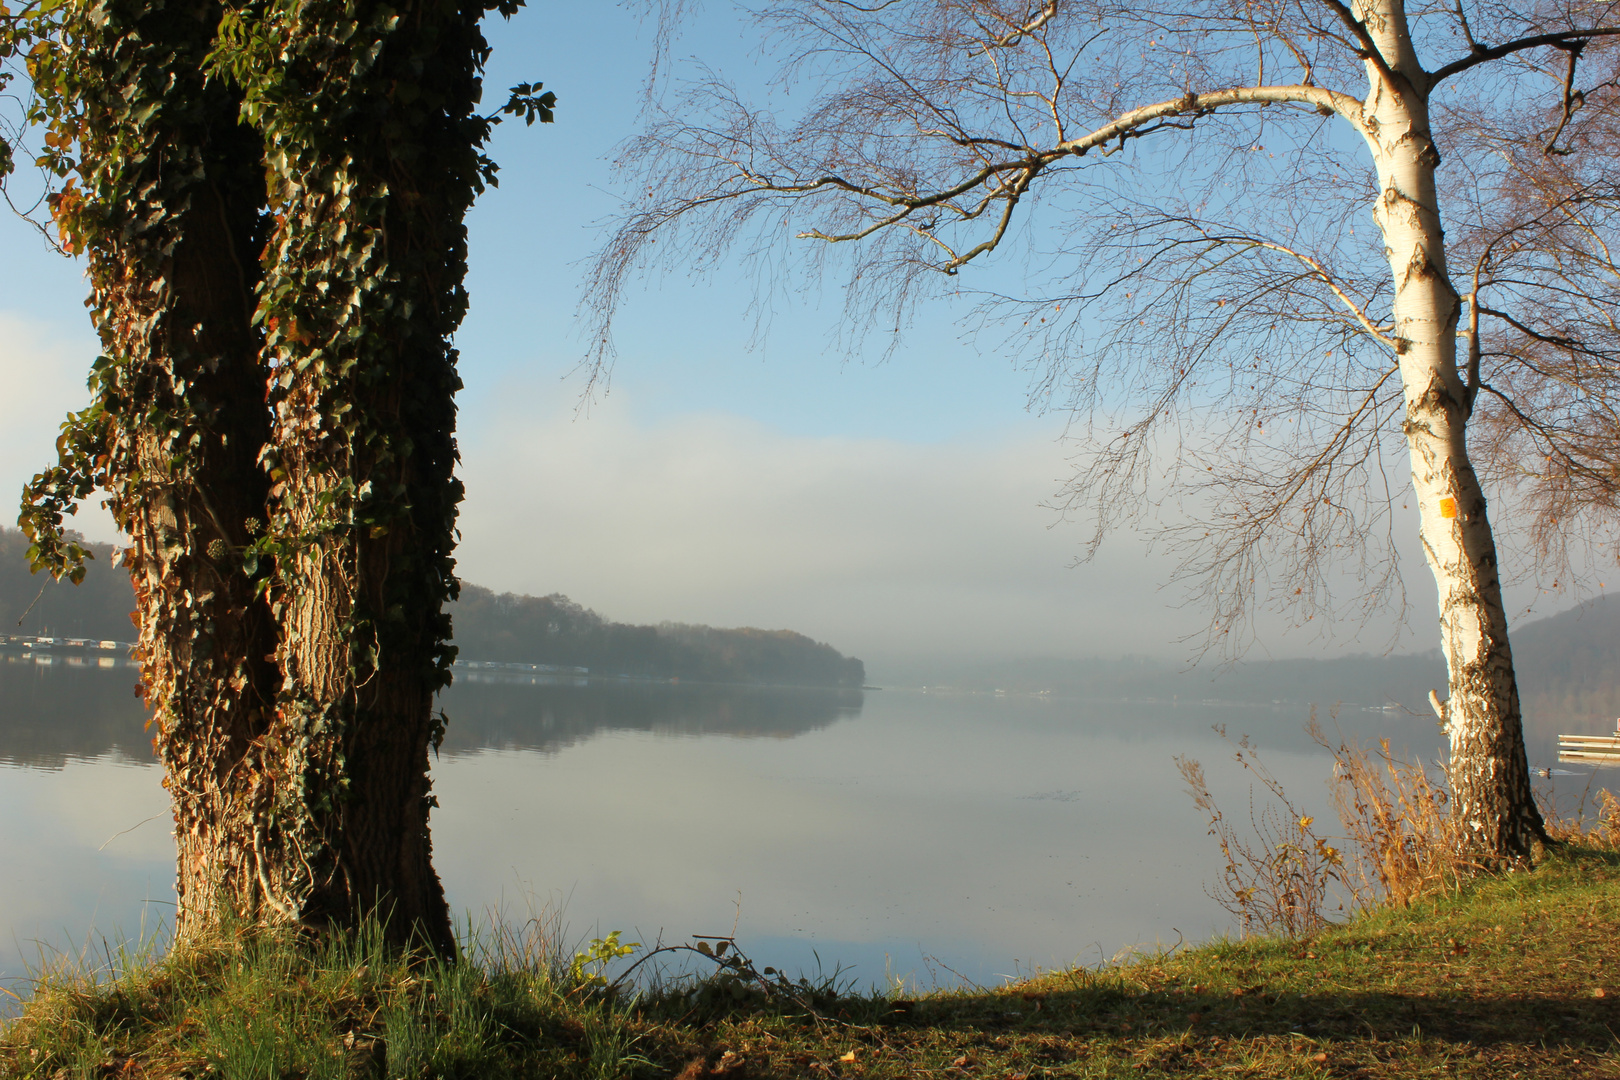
{"x":1593,"y":749}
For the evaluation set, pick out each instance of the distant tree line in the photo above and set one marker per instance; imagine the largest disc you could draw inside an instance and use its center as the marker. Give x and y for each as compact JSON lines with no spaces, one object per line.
{"x":1568,"y":666}
{"x":37,"y":604}
{"x":556,"y":630}
{"x":487,"y":626}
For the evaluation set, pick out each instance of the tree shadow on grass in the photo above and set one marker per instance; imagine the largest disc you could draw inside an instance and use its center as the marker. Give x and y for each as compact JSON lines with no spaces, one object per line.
{"x":1481,"y":1020}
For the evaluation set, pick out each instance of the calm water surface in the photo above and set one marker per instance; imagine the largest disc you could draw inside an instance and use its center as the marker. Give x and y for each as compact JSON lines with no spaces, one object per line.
{"x":890,"y":832}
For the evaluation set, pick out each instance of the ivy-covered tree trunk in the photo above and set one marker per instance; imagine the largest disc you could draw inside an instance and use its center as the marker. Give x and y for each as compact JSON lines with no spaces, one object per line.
{"x":272,"y":206}
{"x":373,"y":156}
{"x":166,"y":200}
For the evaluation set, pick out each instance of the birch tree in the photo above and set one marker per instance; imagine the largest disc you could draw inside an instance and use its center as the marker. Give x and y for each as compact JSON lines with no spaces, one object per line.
{"x":1233,"y":266}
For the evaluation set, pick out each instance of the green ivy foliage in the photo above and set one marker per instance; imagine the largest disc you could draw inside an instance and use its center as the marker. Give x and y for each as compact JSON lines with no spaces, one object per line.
{"x":373,"y":153}
{"x":341,"y":143}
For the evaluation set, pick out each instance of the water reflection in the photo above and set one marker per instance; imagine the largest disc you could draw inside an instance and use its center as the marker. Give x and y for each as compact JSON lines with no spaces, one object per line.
{"x":58,"y":708}
{"x":548,"y":715}
{"x":829,"y":827}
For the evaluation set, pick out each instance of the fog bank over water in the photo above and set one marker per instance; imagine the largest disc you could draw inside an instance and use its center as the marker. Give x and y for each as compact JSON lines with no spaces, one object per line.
{"x":888,"y":550}
{"x":908,"y":553}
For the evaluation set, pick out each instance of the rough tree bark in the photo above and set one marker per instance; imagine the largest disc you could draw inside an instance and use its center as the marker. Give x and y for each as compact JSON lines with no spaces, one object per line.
{"x":274,"y":418}
{"x":373,"y":158}
{"x":1493,"y":804}
{"x":169,"y":211}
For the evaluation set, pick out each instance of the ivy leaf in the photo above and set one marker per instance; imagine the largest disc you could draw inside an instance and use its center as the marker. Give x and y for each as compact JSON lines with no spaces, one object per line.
{"x":528,"y":102}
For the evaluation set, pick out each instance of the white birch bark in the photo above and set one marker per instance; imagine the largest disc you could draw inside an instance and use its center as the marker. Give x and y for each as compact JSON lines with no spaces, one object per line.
{"x":1493,"y":805}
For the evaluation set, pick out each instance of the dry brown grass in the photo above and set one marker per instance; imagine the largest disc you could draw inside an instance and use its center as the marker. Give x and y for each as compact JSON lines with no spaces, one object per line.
{"x":1398,"y":826}
{"x":1400,"y":842}
{"x":1594,"y":820}
{"x":1280,"y":875}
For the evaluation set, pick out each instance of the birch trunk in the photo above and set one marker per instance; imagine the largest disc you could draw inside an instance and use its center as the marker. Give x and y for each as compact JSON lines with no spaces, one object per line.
{"x":1492,"y":802}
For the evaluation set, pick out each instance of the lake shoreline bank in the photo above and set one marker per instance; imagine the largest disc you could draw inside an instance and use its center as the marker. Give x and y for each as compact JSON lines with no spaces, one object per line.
{"x":1505,"y":979}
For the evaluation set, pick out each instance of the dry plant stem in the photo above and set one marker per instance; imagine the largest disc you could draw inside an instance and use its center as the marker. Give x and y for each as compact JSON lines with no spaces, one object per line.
{"x":1280,"y":876}
{"x":1400,"y":841}
{"x":1398,"y":826}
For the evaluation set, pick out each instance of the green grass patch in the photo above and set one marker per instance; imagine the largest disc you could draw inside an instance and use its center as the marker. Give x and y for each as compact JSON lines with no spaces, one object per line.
{"x":1516,"y":975}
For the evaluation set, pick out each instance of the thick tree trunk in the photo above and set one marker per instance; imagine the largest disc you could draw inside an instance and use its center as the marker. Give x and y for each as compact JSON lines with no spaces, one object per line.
{"x":356,"y":725}
{"x":289,"y":492}
{"x":1492,"y":801}
{"x":363,"y":292}
{"x":171,"y":224}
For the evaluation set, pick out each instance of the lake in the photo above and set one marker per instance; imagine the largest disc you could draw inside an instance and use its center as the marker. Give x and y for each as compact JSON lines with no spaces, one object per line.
{"x":894,"y":833}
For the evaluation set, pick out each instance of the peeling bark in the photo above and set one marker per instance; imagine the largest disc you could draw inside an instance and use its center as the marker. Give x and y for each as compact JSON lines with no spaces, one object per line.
{"x":1490,"y":778}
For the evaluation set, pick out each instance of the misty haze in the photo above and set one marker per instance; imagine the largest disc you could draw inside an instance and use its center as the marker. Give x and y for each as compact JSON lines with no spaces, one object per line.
{"x":932,"y":538}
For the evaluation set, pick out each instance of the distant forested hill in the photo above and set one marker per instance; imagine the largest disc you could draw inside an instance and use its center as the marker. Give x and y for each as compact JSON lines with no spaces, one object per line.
{"x":488,"y":626}
{"x":1568,"y":667}
{"x":555,"y":630}
{"x":1571,"y":661}
{"x":99,"y":608}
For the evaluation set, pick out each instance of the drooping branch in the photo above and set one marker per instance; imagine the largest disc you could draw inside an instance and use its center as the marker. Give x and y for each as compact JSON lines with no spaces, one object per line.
{"x":1357,"y":311}
{"x":1573,"y":98}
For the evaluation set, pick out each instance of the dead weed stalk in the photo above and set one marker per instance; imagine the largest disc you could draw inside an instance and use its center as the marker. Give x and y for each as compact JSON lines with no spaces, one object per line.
{"x":1397,"y":821}
{"x":1280,"y":876}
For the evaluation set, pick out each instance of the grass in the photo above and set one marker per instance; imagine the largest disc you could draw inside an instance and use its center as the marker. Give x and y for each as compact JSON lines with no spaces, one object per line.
{"x":1516,"y":975}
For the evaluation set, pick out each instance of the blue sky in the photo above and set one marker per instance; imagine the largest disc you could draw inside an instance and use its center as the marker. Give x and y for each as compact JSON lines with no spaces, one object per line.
{"x":684,"y":344}
{"x":891,"y":508}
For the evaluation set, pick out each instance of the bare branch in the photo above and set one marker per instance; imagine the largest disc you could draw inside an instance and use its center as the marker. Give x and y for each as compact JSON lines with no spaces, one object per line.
{"x":1561,"y":39}
{"x":1215,"y":309}
{"x":1192,"y":104}
{"x":1014,"y":36}
{"x":1573,"y":98}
